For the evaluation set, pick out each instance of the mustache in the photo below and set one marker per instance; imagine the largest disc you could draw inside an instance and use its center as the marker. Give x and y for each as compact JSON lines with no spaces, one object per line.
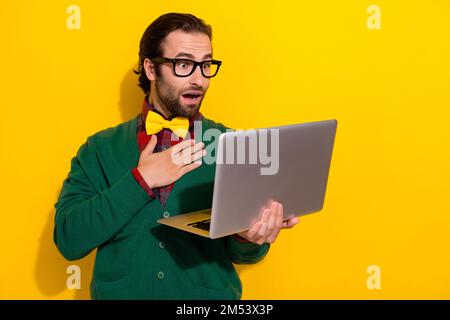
{"x":199,"y":89}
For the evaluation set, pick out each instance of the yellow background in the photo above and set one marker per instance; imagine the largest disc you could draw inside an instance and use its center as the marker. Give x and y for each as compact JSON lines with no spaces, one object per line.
{"x":387,"y":202}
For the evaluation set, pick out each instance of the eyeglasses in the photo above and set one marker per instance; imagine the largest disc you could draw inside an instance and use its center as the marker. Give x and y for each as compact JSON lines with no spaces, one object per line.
{"x":186,"y":67}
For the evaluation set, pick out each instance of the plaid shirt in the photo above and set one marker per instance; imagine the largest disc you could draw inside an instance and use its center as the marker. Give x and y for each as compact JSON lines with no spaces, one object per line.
{"x":164,"y":142}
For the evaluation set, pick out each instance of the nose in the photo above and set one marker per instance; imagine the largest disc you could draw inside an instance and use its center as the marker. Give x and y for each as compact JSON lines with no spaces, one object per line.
{"x":197,"y":77}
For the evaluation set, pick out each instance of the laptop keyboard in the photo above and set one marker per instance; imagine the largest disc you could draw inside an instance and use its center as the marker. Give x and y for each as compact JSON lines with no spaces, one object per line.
{"x":202,"y":224}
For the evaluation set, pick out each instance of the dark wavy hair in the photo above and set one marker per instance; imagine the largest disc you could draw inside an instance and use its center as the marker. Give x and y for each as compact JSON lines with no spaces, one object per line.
{"x":156,"y":32}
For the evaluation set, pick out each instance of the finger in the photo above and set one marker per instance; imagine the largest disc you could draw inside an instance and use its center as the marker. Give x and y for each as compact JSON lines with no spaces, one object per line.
{"x":197,"y":153}
{"x":185,"y":156}
{"x":180,"y":146}
{"x":254,"y":230}
{"x":186,"y":146}
{"x":151,"y":144}
{"x":290,"y":223}
{"x":261,"y":235}
{"x":272,"y":218}
{"x":264,"y":219}
{"x":266,"y":216}
{"x":197,"y":156}
{"x":185,"y":169}
{"x":278,"y":224}
{"x":193,"y":148}
{"x":175,"y":154}
{"x":279,"y":216}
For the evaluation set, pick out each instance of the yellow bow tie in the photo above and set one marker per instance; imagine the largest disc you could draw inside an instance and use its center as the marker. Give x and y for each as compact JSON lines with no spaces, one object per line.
{"x":155,"y":123}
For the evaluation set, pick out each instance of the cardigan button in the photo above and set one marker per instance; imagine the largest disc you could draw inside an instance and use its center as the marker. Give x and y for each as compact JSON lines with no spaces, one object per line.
{"x":166,"y":214}
{"x":160,"y":275}
{"x":161,"y":245}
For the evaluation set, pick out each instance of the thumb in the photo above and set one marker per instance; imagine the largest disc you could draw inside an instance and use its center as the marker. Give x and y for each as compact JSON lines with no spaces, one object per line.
{"x":151,"y":144}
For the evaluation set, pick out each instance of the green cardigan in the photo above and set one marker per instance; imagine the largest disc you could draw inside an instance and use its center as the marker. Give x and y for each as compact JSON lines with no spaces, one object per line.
{"x":102,"y":206}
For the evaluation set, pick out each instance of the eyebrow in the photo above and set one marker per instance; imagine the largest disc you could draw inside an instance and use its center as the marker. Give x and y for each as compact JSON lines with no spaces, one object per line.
{"x":190,"y":56}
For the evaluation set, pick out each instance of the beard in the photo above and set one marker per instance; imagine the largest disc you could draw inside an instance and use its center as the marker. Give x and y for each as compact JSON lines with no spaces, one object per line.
{"x":170,"y":98}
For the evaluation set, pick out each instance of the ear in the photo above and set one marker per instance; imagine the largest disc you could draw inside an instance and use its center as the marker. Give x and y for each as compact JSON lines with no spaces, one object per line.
{"x":149,"y":68}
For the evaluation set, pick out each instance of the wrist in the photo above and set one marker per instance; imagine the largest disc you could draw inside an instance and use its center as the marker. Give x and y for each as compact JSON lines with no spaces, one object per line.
{"x":140,"y":179}
{"x":148,"y":181}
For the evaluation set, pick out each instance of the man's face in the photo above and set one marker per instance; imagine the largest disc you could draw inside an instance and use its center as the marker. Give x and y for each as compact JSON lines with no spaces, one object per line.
{"x":182,"y":96}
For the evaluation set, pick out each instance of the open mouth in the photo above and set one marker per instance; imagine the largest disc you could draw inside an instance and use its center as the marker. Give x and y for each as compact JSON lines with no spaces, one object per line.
{"x":192,"y":97}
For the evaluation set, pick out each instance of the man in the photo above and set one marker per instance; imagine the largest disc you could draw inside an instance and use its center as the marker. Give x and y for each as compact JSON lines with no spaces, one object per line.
{"x":125,"y":178}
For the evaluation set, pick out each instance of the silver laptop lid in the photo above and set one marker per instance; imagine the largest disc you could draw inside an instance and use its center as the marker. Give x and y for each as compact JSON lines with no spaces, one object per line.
{"x":292,"y":166}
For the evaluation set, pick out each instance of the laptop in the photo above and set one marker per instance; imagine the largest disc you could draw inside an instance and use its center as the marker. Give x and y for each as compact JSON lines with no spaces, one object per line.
{"x":288,"y":164}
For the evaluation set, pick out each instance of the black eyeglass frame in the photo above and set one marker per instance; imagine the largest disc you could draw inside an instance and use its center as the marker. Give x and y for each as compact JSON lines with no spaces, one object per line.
{"x":174,"y":62}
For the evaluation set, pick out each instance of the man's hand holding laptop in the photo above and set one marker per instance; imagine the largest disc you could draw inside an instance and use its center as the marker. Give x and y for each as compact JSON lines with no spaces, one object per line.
{"x":269,"y":226}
